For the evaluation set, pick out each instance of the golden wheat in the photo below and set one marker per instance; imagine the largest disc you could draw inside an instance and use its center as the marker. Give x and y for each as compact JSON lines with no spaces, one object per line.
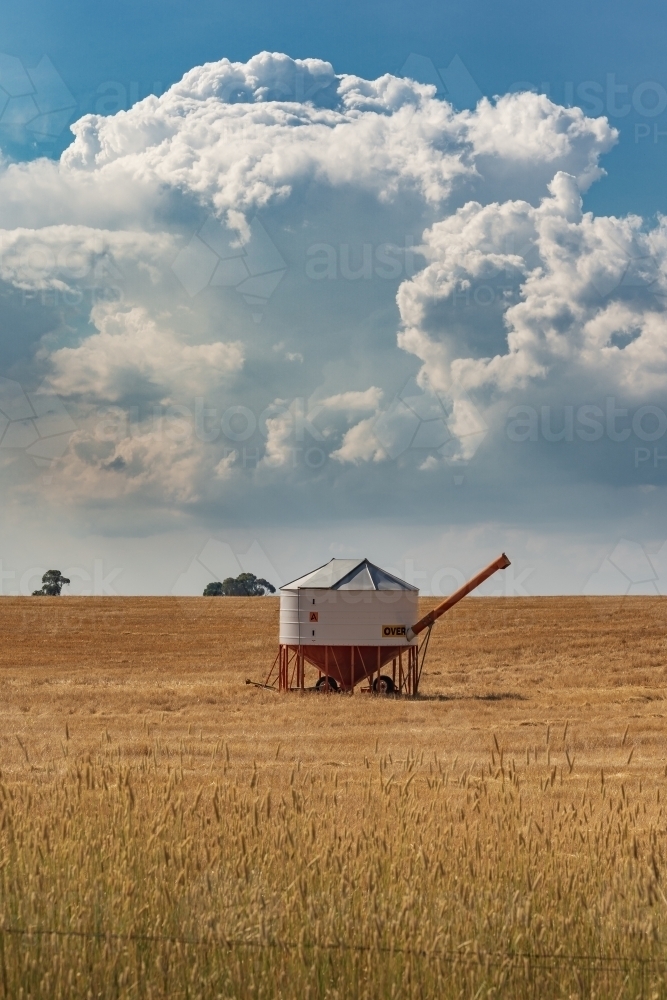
{"x":166,"y":831}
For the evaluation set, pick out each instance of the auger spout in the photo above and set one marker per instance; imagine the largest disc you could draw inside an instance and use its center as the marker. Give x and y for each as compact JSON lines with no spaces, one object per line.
{"x":502,"y":562}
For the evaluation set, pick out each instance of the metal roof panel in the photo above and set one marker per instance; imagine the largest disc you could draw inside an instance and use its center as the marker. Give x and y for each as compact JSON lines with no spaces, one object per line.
{"x":348,"y":574}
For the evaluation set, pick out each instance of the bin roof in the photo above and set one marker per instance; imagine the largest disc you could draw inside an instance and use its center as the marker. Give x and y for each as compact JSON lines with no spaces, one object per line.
{"x":349,"y":574}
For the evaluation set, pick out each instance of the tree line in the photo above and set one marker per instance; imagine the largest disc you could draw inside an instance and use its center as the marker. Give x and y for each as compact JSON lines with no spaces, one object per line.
{"x":243,"y":585}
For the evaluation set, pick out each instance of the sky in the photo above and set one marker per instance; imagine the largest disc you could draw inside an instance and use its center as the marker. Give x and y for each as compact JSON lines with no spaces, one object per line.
{"x":284,"y":284}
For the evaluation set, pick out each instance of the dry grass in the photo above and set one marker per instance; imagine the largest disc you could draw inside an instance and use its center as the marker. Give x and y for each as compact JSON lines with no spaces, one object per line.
{"x":179,"y":834}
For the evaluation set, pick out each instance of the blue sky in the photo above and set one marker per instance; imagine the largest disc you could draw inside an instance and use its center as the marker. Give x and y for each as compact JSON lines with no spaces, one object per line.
{"x":393,"y":328}
{"x":139,"y":44}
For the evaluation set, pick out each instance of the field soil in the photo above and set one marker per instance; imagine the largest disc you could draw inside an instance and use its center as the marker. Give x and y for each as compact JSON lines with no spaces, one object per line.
{"x":507,"y":668}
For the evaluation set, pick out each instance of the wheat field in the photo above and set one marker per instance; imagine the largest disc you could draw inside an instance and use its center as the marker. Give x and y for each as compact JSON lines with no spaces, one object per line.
{"x":168,"y":831}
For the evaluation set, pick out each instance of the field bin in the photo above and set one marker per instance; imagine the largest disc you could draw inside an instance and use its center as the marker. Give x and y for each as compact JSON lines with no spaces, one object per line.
{"x":349,"y":620}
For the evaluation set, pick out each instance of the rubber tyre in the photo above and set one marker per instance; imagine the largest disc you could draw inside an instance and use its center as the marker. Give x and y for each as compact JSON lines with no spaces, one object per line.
{"x":383,"y":685}
{"x":327,"y":684}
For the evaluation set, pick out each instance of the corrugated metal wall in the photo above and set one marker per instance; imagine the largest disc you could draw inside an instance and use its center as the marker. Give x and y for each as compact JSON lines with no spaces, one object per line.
{"x":346,"y":618}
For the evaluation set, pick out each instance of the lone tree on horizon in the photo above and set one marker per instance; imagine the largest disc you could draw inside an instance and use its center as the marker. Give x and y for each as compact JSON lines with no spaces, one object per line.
{"x":244,"y":585}
{"x":52,"y":583}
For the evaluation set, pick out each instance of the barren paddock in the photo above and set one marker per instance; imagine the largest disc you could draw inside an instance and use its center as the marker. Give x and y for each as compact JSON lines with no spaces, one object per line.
{"x":117,"y":669}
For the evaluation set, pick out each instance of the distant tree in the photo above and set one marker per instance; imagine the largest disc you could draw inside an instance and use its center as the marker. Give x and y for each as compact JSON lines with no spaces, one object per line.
{"x":244,"y":585}
{"x":52,"y":583}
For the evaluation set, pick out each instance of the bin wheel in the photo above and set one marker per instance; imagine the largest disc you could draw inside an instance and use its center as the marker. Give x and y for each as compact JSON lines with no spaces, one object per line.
{"x":383,"y":685}
{"x":326,"y":684}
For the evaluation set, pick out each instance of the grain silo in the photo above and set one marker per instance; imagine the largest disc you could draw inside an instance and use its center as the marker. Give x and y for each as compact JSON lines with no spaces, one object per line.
{"x":348,"y":619}
{"x":353,"y":621}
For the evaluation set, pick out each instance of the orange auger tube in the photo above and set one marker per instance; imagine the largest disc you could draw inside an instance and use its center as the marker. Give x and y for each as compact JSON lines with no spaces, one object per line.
{"x":502,"y":562}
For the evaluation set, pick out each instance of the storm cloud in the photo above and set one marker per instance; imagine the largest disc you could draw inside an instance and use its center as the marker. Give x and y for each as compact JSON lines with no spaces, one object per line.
{"x":279,"y":294}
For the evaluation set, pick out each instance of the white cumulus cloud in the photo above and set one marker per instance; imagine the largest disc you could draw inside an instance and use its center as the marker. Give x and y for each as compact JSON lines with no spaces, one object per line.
{"x":131,"y":349}
{"x":361,"y":173}
{"x":579,"y":295}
